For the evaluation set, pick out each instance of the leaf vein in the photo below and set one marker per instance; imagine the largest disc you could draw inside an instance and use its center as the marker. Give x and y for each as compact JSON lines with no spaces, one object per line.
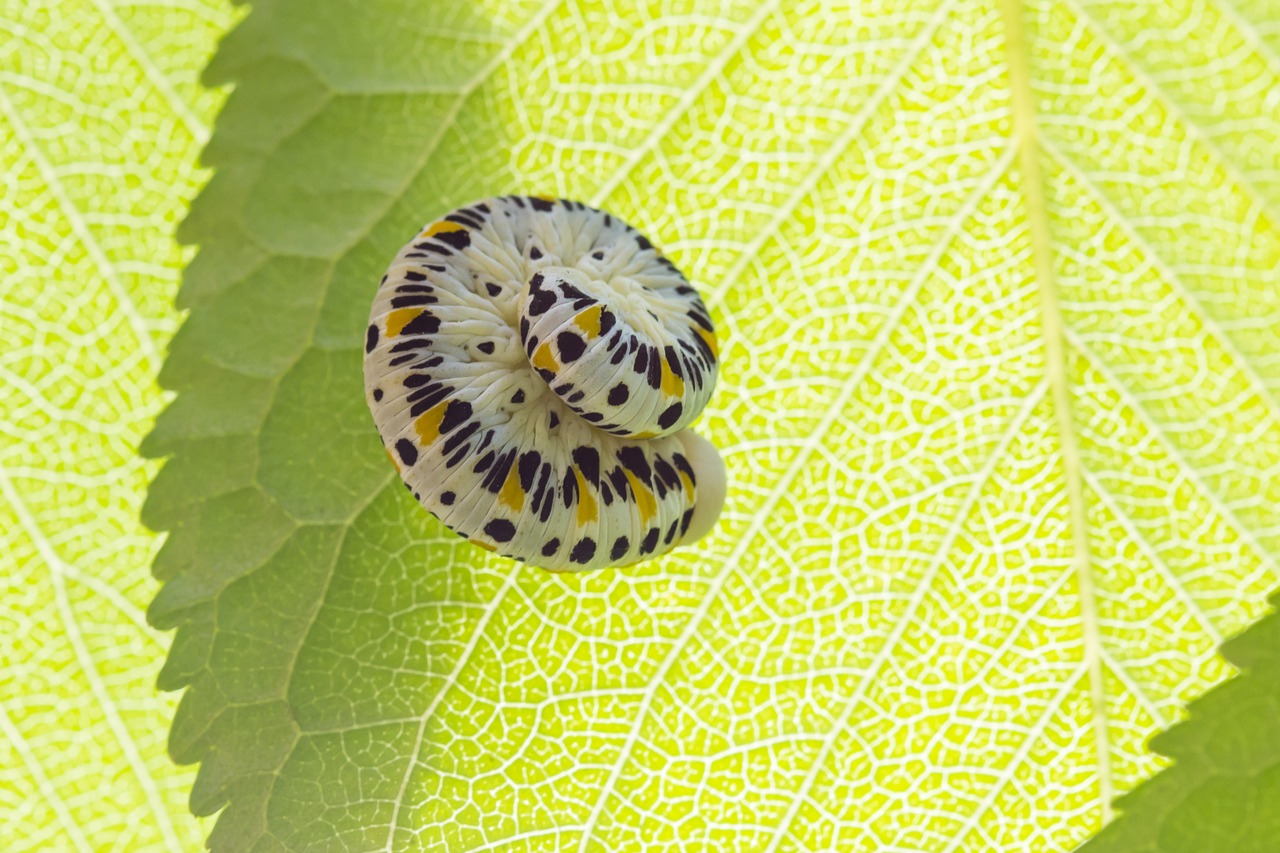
{"x":80,"y":227}
{"x":452,"y":679}
{"x":1167,"y":273}
{"x":833,"y":411}
{"x":469,"y":88}
{"x":922,"y":587}
{"x":1053,"y":326}
{"x":1176,"y":109}
{"x":1006,"y":775}
{"x":1245,"y":533}
{"x":1145,"y":546}
{"x":42,"y":781}
{"x":831,"y":155}
{"x":691,"y":94}
{"x":85,"y":660}
{"x":197,"y":128}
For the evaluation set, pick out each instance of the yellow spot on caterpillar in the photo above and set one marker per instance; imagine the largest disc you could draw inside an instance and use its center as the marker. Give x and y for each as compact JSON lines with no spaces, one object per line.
{"x":710,"y":338}
{"x":672,"y":385}
{"x":392,"y":457}
{"x":399,"y":318}
{"x":484,"y":545}
{"x":442,"y":227}
{"x":644,"y":435}
{"x":428,"y":424}
{"x":588,"y":510}
{"x":512,"y":495}
{"x":589,"y":321}
{"x":543,"y":359}
{"x":688,"y":485}
{"x":644,"y":498}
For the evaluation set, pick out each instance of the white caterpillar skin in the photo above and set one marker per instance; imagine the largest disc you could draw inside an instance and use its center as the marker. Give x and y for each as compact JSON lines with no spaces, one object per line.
{"x":532,"y":366}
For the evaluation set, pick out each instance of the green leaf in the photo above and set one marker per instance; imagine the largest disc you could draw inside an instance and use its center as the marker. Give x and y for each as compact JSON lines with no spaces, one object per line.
{"x":1223,"y":791}
{"x":998,"y":293}
{"x":101,"y":118}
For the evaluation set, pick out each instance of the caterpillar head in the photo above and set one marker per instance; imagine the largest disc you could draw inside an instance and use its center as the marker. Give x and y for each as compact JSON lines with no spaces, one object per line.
{"x":630,"y":357}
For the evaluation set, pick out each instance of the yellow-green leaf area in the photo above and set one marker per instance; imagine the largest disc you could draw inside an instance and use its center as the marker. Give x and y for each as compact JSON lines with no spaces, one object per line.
{"x":997,"y":290}
{"x":101,"y":119}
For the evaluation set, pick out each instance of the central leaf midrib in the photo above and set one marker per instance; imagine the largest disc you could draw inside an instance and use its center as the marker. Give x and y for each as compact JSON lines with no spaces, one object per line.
{"x":1053,"y":327}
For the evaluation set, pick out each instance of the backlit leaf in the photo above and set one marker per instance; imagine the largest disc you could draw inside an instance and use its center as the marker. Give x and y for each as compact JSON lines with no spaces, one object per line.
{"x":997,"y":285}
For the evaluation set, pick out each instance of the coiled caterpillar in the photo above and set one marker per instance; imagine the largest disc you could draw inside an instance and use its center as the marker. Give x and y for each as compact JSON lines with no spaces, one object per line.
{"x":532,"y":365}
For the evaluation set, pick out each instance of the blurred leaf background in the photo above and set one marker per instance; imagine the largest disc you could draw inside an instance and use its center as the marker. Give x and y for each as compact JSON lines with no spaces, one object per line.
{"x":938,"y":615}
{"x":101,"y":120}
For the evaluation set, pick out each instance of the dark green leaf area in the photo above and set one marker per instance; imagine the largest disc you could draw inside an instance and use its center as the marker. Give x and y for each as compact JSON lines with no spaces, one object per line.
{"x":1222,"y":794}
{"x":311,"y":639}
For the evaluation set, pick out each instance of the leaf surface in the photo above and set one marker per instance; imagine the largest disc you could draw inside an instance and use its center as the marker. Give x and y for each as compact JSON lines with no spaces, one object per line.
{"x":101,"y":117}
{"x":997,"y":288}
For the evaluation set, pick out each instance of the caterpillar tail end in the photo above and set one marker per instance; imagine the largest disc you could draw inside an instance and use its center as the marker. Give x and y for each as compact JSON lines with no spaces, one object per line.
{"x":708,"y":467}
